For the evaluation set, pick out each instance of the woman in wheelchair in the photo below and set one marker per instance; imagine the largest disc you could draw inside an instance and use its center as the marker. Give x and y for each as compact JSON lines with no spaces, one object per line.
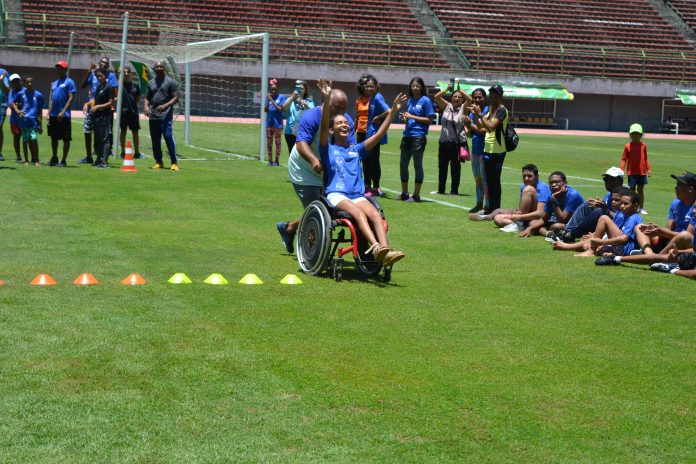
{"x":345,"y":187}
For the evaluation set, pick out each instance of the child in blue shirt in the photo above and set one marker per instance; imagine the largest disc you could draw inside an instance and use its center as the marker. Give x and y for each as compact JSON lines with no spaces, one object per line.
{"x":345,"y":186}
{"x":620,"y":231}
{"x":274,"y":122}
{"x":32,"y":102}
{"x":558,"y":210}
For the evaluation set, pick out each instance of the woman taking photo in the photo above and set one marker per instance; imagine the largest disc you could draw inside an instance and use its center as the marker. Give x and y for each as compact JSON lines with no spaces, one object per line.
{"x":295,"y":106}
{"x":452,"y":136}
{"x":418,"y":116}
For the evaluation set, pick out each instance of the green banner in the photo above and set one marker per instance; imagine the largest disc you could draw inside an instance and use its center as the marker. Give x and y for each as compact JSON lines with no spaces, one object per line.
{"x":515,"y":89}
{"x":144,"y":74}
{"x":687,"y":97}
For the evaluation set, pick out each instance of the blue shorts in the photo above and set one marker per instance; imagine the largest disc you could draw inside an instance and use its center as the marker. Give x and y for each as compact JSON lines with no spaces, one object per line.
{"x":637,"y":180}
{"x":3,"y":114}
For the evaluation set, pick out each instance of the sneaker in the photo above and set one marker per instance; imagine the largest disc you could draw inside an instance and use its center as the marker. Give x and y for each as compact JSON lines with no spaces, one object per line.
{"x":139,"y":156}
{"x":378,"y":251}
{"x":608,"y":260}
{"x":285,"y":236}
{"x":377,"y":192}
{"x":86,"y":160}
{"x":53,"y":162}
{"x":101,"y":165}
{"x":476,"y":208}
{"x":368,"y":193}
{"x":636,"y":252}
{"x":174,"y":167}
{"x":566,"y":236}
{"x":62,"y":164}
{"x":663,"y":267}
{"x":437,"y":192}
{"x":551,"y":236}
{"x":643,"y":211}
{"x":156,"y":166}
{"x":414,"y":199}
{"x":454,"y":194}
{"x":2,"y":158}
{"x":515,"y":226}
{"x":123,"y":155}
{"x":479,"y":217}
{"x":19,"y":160}
{"x":404,"y":197}
{"x":276,"y":163}
{"x":393,"y":256}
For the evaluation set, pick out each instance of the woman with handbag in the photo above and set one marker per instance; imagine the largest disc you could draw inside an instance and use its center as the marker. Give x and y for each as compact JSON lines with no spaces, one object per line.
{"x":453,"y":147}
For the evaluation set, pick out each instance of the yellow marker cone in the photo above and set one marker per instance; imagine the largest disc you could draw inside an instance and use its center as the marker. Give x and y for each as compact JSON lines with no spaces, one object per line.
{"x":251,"y":279}
{"x":216,"y":279}
{"x":179,"y":278}
{"x":291,"y":279}
{"x":43,"y":279}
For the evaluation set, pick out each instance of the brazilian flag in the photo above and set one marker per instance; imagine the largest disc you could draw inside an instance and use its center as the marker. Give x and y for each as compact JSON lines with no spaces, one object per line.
{"x":144,"y":73}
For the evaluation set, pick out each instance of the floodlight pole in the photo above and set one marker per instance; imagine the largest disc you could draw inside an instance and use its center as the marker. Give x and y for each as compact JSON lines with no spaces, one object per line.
{"x":70,"y":48}
{"x":119,"y":97}
{"x":187,"y":104}
{"x":264,"y":91}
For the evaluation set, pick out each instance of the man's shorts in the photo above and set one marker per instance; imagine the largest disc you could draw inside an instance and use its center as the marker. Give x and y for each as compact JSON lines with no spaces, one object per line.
{"x":15,"y":129}
{"x":308,"y":193}
{"x":637,"y":180}
{"x":334,"y":198}
{"x":130,"y":121}
{"x":88,"y":125}
{"x":59,"y":130}
{"x":3,"y":114}
{"x":29,"y":134}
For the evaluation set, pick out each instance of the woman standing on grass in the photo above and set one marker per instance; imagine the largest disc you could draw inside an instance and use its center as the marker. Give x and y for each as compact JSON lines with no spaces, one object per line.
{"x":274,"y":122}
{"x":451,"y":136}
{"x":418,"y":117}
{"x":478,"y":139}
{"x":378,"y":110}
{"x":299,"y":101}
{"x":495,"y":123}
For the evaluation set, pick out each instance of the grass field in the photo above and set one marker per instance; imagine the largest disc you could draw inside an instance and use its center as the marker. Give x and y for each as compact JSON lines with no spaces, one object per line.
{"x":483,"y":348}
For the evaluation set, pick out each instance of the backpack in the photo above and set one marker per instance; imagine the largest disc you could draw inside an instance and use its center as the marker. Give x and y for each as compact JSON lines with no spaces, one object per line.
{"x":510,"y":137}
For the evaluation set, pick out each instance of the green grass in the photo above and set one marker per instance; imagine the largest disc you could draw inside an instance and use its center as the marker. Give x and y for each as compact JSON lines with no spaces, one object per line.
{"x":483,"y":348}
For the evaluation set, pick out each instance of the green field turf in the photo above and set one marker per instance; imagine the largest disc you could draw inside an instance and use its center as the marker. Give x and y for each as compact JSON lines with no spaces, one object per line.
{"x":483,"y":347}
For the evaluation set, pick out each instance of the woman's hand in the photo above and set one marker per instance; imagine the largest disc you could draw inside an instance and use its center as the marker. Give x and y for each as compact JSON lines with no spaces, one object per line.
{"x":325,"y":86}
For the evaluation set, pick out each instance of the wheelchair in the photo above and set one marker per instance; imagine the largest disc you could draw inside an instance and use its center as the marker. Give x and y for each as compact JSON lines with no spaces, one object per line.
{"x":325,"y":236}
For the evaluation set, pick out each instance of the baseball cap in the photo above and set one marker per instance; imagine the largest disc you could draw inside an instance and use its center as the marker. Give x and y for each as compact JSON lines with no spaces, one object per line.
{"x":635,"y":128}
{"x":688,"y":178}
{"x":613,"y":172}
{"x":62,"y":64}
{"x":496,"y":89}
{"x":15,"y":76}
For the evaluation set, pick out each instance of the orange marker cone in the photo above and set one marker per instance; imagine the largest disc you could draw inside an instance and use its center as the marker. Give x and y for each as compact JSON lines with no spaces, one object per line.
{"x":133,"y":279}
{"x":2,"y":282}
{"x":85,"y":279}
{"x":43,"y":279}
{"x":128,"y":162}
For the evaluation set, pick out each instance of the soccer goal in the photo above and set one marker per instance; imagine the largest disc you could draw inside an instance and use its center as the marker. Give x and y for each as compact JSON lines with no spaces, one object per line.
{"x":222,"y":81}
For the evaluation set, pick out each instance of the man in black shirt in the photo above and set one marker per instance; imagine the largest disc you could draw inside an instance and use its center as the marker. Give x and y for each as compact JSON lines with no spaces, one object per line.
{"x":129,"y":111}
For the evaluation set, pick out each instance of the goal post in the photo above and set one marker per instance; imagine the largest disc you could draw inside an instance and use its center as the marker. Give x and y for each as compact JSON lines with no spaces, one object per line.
{"x":223,"y":81}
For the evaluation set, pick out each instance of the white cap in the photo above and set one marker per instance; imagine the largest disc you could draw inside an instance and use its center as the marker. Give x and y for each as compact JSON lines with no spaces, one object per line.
{"x":614,"y":172}
{"x":14,"y":76}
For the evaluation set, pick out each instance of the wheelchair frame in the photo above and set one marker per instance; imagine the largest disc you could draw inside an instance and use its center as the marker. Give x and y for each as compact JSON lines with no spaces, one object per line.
{"x":319,"y":249}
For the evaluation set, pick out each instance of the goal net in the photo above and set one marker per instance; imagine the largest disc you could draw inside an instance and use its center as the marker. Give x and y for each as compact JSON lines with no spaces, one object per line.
{"x":222,"y":81}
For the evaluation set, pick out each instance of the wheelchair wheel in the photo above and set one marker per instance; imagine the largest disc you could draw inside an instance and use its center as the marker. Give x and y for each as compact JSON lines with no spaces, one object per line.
{"x":314,"y":239}
{"x":365,"y":262}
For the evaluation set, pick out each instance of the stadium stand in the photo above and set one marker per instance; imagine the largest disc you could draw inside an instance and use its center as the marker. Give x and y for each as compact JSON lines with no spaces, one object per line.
{"x":361,"y":29}
{"x":686,"y":9}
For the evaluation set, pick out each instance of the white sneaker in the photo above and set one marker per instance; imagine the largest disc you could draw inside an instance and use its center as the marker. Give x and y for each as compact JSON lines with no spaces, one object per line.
{"x":663,"y":267}
{"x":551,"y":236}
{"x":643,"y":211}
{"x":516,"y":226}
{"x":636,"y":252}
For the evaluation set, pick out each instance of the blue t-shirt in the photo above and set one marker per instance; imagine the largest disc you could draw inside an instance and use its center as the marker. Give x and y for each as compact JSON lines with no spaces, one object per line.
{"x":4,"y":100}
{"x":15,"y":95}
{"x":478,"y":141}
{"x":343,"y":169}
{"x":570,"y":202}
{"x":310,"y":123}
{"x":421,"y":107}
{"x":680,"y":213}
{"x":377,"y":106}
{"x":32,"y":104}
{"x":627,"y":226}
{"x":61,"y":90}
{"x":295,"y":113}
{"x":543,"y":192}
{"x":94,"y":82}
{"x":275,"y":116}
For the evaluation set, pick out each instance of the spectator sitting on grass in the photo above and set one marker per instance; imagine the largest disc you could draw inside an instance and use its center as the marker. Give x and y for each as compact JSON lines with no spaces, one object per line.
{"x":652,"y":238}
{"x":585,"y":218}
{"x":558,"y":210}
{"x":620,"y":231}
{"x":533,"y":196}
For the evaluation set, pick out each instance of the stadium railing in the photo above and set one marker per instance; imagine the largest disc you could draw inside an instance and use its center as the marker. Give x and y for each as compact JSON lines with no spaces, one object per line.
{"x":50,"y":31}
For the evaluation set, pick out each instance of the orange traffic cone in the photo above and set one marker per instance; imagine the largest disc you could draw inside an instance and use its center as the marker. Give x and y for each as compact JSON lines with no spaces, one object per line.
{"x":43,"y":279}
{"x":133,"y":279}
{"x":128,"y":162}
{"x":85,"y":279}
